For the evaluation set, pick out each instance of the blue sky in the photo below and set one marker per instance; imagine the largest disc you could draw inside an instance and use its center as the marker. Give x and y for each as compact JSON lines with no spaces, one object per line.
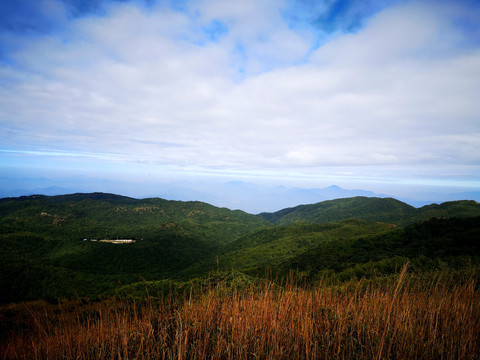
{"x":298,"y":93}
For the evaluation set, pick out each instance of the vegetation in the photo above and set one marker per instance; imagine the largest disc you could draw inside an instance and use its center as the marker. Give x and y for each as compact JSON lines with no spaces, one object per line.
{"x":46,"y":249}
{"x":271,"y":249}
{"x":46,"y":252}
{"x":402,"y":319}
{"x":371,"y":209}
{"x":314,"y":281}
{"x":435,"y":244}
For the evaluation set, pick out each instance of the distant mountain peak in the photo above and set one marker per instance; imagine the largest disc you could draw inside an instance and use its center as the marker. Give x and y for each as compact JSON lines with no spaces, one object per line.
{"x":334,"y":187}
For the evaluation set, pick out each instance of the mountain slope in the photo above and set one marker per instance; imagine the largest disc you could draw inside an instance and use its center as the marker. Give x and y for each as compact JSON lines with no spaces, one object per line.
{"x":271,"y":247}
{"x":99,"y":215}
{"x":370,"y":209}
{"x":433,"y":244}
{"x":351,"y":248}
{"x":45,"y":247}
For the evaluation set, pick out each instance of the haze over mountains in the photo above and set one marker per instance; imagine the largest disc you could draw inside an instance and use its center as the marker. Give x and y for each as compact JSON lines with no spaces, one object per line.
{"x":247,"y":196}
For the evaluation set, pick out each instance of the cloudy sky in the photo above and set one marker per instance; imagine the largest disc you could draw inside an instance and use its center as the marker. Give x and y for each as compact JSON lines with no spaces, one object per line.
{"x":324,"y":92}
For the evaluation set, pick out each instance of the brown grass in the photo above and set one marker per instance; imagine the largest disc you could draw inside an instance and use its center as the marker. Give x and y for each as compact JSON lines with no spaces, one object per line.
{"x":405,"y":320}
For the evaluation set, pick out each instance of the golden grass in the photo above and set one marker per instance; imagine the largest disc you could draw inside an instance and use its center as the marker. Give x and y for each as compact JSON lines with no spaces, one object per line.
{"x":400,"y":321}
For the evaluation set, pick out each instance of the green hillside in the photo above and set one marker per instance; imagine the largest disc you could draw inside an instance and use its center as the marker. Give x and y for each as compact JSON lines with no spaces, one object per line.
{"x":270,"y":248}
{"x":100,"y":215}
{"x":370,"y":209}
{"x":46,"y":248}
{"x":464,"y":208}
{"x":435,"y":244}
{"x":352,"y":248}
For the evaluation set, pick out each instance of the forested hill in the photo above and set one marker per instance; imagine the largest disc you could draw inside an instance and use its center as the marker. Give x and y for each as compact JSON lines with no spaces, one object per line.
{"x":193,"y":213}
{"x":102,"y":215}
{"x":47,"y":247}
{"x":386,"y":210}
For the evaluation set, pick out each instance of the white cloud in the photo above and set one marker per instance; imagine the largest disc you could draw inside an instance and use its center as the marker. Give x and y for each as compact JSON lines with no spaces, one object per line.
{"x":149,"y":84}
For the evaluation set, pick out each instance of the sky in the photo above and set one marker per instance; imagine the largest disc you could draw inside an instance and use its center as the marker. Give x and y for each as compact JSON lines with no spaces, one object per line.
{"x":378,"y":95}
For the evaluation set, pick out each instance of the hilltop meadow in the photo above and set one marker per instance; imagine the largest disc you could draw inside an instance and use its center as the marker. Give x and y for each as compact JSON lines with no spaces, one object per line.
{"x":354,"y":278}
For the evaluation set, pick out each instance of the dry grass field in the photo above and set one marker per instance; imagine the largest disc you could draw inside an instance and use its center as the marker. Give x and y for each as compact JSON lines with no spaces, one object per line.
{"x":408,"y":319}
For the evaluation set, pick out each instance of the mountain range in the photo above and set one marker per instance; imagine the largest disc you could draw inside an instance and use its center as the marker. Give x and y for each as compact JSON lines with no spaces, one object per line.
{"x":48,"y":247}
{"x":247,"y":196}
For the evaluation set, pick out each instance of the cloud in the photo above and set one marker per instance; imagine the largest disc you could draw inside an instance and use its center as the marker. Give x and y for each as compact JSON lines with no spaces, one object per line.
{"x":232,"y":85}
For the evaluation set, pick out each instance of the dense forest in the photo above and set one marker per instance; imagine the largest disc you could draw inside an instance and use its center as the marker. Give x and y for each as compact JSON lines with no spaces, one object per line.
{"x":46,"y":247}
